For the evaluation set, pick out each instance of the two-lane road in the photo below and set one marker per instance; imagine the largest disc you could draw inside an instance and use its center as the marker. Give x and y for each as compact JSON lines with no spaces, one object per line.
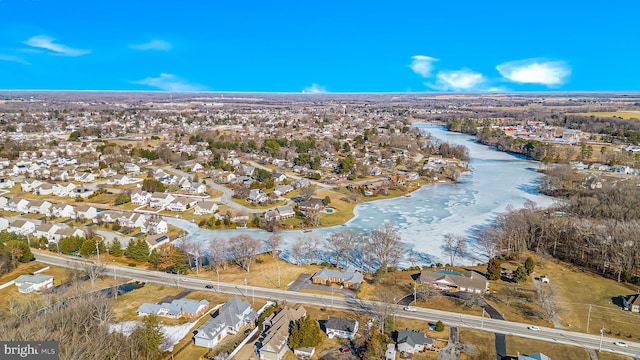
{"x":450,"y":318}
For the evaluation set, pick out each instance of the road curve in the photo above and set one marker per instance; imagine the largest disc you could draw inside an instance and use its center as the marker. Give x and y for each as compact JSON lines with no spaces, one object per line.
{"x":453,"y":319}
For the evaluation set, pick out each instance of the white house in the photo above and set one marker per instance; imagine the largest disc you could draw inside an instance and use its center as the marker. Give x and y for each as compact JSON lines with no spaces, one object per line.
{"x":47,"y":230}
{"x":160,"y":200}
{"x":86,"y":212}
{"x":22,"y":227}
{"x":67,"y":232}
{"x":4,"y":223}
{"x":30,"y":283}
{"x":155,"y":227}
{"x":84,"y":177}
{"x":228,"y":320}
{"x":342,"y":328}
{"x":197,"y":188}
{"x":18,"y":204}
{"x":180,"y":204}
{"x":412,"y":341}
{"x":39,"y":207}
{"x":63,"y":189}
{"x":44,"y":189}
{"x":140,"y":197}
{"x":131,"y":168}
{"x":63,"y":211}
{"x":132,"y":220}
{"x":6,"y":183}
{"x":30,"y":185}
{"x":205,"y":207}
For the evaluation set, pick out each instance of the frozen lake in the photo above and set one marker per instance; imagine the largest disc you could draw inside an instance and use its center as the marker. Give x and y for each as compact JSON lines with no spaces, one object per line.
{"x":496,"y":181}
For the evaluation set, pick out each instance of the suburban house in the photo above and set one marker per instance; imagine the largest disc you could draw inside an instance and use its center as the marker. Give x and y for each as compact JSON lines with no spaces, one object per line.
{"x":64,"y":189}
{"x":468,"y":281}
{"x":181,"y":204}
{"x":44,"y":189}
{"x":205,"y":207}
{"x":280,"y":213}
{"x":131,"y":168}
{"x":140,"y":197}
{"x":67,"y":232}
{"x":283,"y":189}
{"x":22,"y":227}
{"x":349,"y":278}
{"x":160,"y":200}
{"x":4,"y":223}
{"x":228,"y":320}
{"x":121,"y":180}
{"x":109,"y":216}
{"x":30,"y":283}
{"x":631,"y":303}
{"x":274,"y":344}
{"x":197,"y":188}
{"x":39,"y":207}
{"x":413,"y":341}
{"x":86,"y":212}
{"x":342,"y":328}
{"x":176,"y":309}
{"x":132,"y":220}
{"x":279,"y":177}
{"x":312,"y":204}
{"x":155,"y":227}
{"x":18,"y":204}
{"x":63,"y":211}
{"x":6,"y":183}
{"x":256,"y":197}
{"x":155,"y":240}
{"x":47,"y":231}
{"x":30,"y":185}
{"x":84,"y":177}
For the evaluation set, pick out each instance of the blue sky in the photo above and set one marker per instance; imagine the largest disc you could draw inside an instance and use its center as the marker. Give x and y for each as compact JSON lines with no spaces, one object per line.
{"x":320,"y":46}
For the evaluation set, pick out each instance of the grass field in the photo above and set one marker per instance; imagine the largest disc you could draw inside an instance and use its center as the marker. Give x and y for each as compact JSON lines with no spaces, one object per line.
{"x":572,"y":290}
{"x":621,"y":114}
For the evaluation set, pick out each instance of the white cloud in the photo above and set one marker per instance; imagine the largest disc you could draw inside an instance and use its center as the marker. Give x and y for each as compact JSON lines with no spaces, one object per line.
{"x":458,"y":80}
{"x":47,"y":43}
{"x":154,"y":44}
{"x":13,"y":59}
{"x":535,"y":71}
{"x":315,"y":89}
{"x":422,"y":65}
{"x":168,"y":82}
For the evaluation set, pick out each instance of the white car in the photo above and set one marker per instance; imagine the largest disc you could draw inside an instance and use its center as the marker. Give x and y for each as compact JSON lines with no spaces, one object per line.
{"x":620,"y":343}
{"x":533,"y":328}
{"x":410,"y":308}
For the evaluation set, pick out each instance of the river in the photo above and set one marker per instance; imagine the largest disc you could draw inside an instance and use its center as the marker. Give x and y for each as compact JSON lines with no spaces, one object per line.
{"x":496,"y":180}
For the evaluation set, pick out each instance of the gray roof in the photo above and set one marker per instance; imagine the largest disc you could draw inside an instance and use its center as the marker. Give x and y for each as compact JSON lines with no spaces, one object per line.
{"x":468,"y":280}
{"x":413,"y":337}
{"x":346,"y":276}
{"x":535,"y":356}
{"x":174,"y":308}
{"x":341,"y":324}
{"x":230,"y":314}
{"x":32,"y":279}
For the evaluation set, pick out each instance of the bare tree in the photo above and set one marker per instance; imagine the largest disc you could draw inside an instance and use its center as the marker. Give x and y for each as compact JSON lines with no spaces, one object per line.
{"x":342,"y":244}
{"x":385,"y":245}
{"x":297,"y":250}
{"x":488,"y":239}
{"x":218,"y":254}
{"x":93,"y":270}
{"x":311,"y":246}
{"x":243,"y":249}
{"x":454,"y":246}
{"x":272,"y":243}
{"x":198,"y":252}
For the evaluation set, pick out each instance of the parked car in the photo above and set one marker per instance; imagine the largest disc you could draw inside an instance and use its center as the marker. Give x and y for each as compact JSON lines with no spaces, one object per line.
{"x":533,"y":328}
{"x":620,"y":343}
{"x":209,"y":286}
{"x":410,"y":308}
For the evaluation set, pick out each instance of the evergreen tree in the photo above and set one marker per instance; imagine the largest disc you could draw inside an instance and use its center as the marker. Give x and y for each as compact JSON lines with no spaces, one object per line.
{"x":529,"y":265}
{"x":520,"y":275}
{"x":306,"y":332}
{"x":130,"y":249}
{"x":439,"y":326}
{"x":88,"y":248}
{"x":148,"y":337}
{"x":494,"y":268}
{"x":115,"y":248}
{"x":154,"y":258}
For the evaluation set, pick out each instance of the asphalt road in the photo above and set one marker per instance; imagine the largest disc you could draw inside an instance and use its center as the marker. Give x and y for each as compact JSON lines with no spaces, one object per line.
{"x":452,"y":319}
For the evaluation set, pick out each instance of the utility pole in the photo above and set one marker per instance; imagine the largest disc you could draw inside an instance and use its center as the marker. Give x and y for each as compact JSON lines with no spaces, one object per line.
{"x":588,"y":318}
{"x":278,"y":276}
{"x":115,"y":282}
{"x":601,"y":335}
{"x":482,"y":321}
{"x":98,"y":251}
{"x":218,"y":273}
{"x":415,"y":293}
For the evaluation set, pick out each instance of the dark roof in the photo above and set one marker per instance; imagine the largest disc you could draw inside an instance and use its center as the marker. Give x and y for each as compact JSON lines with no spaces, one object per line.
{"x":341,"y":324}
